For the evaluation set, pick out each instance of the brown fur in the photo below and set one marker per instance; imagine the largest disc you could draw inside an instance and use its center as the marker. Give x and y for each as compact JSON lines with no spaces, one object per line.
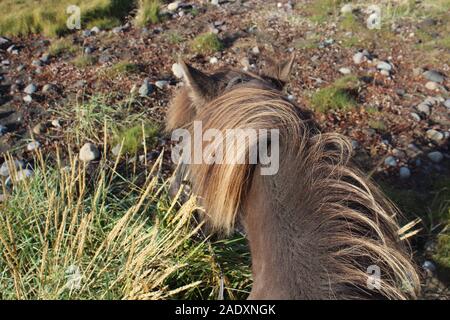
{"x":316,"y":225}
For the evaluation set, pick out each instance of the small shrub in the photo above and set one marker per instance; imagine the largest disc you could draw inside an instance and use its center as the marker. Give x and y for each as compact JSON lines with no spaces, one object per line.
{"x":62,"y":45}
{"x":122,"y":68}
{"x":206,"y":43}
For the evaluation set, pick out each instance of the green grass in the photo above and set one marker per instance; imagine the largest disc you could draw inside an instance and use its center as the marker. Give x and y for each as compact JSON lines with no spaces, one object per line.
{"x":132,"y":139}
{"x":63,"y":45}
{"x":148,"y":12}
{"x":175,"y":37}
{"x":49,"y":16}
{"x":378,"y":125}
{"x":83,"y":61}
{"x":67,"y":234}
{"x":337,"y":96}
{"x":123,"y":67}
{"x":206,"y":43}
{"x":320,"y":11}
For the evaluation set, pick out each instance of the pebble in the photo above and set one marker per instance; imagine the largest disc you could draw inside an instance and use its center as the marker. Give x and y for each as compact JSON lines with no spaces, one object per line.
{"x":345,"y":70}
{"x":33,"y":145}
{"x":4,"y":169}
{"x":86,"y":33}
{"x":38,"y":129}
{"x":447,"y":103}
{"x":347,"y":8}
{"x":115,"y":151}
{"x":30,"y":89}
{"x":88,"y":50}
{"x":48,"y":88}
{"x":27,"y":98}
{"x":390,"y":161}
{"x":37,"y":63}
{"x":45,"y":57}
{"x":162,"y":84}
{"x":56,"y":123}
{"x":358,"y":57}
{"x":213,"y":60}
{"x":95,"y":29}
{"x":385,"y":73}
{"x":425,"y":108}
{"x":434,"y":76}
{"x":415,"y":116}
{"x":435,"y":135}
{"x":431,"y":85}
{"x":429,"y":266}
{"x":145,"y":89}
{"x":255,"y":50}
{"x":436,"y":156}
{"x":384,"y":66}
{"x":23,"y":174}
{"x":216,"y":3}
{"x":3,"y":130}
{"x":173,"y":6}
{"x":405,"y":173}
{"x":177,"y":70}
{"x":88,"y":152}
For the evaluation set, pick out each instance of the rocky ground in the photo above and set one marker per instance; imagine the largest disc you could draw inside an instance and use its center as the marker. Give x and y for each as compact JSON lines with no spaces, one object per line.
{"x":400,"y":126}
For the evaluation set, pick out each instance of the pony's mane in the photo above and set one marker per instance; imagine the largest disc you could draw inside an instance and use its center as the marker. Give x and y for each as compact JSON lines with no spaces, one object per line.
{"x":354,"y":223}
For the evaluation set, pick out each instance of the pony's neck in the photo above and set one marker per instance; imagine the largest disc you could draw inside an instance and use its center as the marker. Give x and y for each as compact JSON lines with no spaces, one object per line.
{"x":284,"y":262}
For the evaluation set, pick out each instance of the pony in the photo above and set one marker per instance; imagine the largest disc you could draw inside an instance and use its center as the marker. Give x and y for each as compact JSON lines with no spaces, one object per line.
{"x":318,"y":228}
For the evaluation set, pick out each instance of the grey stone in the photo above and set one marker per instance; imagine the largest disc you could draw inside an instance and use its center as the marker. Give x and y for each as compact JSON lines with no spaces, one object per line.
{"x":390,"y":161}
{"x":3,"y":130}
{"x":447,"y":103}
{"x":145,"y":89}
{"x":434,"y":76}
{"x":30,"y":89}
{"x":435,"y":135}
{"x":37,"y":63}
{"x":424,"y":108}
{"x":4,"y":169}
{"x":435,"y":156}
{"x":405,"y":173}
{"x":162,"y":84}
{"x":384,"y":66}
{"x":415,"y":116}
{"x":48,"y":88}
{"x":430,"y":85}
{"x":33,"y":145}
{"x":95,"y":29}
{"x":345,"y":70}
{"x":27,"y":98}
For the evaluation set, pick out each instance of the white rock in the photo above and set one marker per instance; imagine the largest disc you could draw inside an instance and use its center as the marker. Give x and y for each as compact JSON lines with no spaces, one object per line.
{"x":162,"y":84}
{"x":23,"y":174}
{"x":95,"y":30}
{"x":358,"y":57}
{"x":4,"y":169}
{"x":173,"y":6}
{"x":30,"y":89}
{"x":213,"y":60}
{"x":88,"y":152}
{"x":345,"y":70}
{"x":56,"y":123}
{"x":390,"y":161}
{"x":177,"y":70}
{"x":33,"y":145}
{"x":347,"y":8}
{"x":27,"y":98}
{"x":255,"y":50}
{"x":435,"y":135}
{"x":382,"y":65}
{"x":431,"y":85}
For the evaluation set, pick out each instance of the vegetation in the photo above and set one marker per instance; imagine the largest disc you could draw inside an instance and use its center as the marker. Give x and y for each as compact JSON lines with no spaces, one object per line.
{"x":339,"y":95}
{"x":133,"y":138}
{"x":148,"y":12}
{"x":67,"y":234}
{"x":206,"y":43}
{"x":83,"y":61}
{"x":122,"y":68}
{"x":50,"y":17}
{"x":62,"y":45}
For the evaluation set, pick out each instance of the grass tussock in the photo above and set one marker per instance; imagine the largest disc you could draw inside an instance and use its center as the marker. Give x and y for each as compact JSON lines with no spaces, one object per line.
{"x":62,"y":46}
{"x":132,"y":139}
{"x":121,"y":68}
{"x":340,"y":95}
{"x":83,"y":61}
{"x":67,"y":234}
{"x":50,"y":16}
{"x":206,"y":43}
{"x":148,"y":12}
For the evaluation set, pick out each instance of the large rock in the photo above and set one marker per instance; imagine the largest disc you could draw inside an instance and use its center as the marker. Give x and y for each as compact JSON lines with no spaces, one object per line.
{"x":434,"y":76}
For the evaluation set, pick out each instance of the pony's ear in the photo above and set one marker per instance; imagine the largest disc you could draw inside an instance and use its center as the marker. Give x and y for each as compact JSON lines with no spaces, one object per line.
{"x":279,"y":71}
{"x":201,"y":87}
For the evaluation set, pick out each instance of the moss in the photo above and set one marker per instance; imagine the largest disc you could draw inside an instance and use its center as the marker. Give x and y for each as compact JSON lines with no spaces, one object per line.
{"x":206,"y":43}
{"x":338,"y":96}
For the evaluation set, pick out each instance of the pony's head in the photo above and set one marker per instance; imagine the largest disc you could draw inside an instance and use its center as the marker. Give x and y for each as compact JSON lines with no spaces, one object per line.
{"x":200,"y":89}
